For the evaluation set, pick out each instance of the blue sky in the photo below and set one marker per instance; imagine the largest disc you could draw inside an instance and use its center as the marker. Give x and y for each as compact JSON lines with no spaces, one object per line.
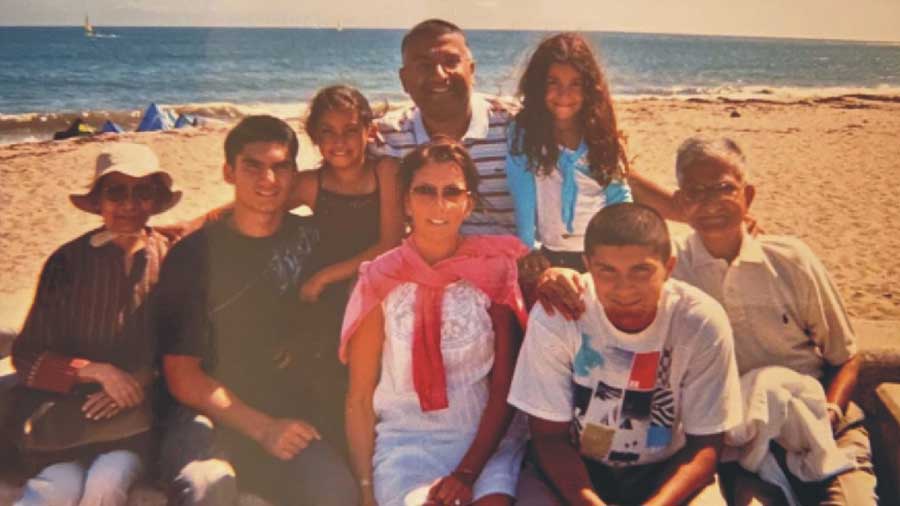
{"x":866,"y":20}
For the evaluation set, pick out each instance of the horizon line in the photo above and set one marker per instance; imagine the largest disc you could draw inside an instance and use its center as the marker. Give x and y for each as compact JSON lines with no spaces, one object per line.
{"x":354,"y":27}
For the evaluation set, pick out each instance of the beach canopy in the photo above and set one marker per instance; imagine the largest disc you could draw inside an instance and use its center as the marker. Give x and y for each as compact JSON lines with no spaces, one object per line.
{"x":111,"y":128}
{"x":155,"y":118}
{"x":185,"y":120}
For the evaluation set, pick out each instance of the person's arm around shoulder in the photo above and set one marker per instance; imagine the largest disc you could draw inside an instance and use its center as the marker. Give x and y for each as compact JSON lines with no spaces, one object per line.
{"x":648,"y":192}
{"x":391,"y":225}
{"x":364,"y":361}
{"x":559,"y":289}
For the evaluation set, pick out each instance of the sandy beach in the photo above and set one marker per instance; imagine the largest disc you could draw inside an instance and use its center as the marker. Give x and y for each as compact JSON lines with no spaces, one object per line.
{"x":826,"y":171}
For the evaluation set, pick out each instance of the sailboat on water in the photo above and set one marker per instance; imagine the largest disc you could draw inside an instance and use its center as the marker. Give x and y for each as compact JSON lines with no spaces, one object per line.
{"x":88,"y":27}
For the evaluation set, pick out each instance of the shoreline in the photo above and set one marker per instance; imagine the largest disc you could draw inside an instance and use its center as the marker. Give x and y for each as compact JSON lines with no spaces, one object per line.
{"x":825,"y":171}
{"x":37,"y":127}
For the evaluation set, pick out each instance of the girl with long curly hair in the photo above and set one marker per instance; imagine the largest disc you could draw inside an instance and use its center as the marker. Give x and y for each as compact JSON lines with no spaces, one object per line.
{"x":566,"y":156}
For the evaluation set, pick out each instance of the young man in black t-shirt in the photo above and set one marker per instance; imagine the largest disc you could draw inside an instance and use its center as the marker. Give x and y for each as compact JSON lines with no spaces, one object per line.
{"x":230,"y":335}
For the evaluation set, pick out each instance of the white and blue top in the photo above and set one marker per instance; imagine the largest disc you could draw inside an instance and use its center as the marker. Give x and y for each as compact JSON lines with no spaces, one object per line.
{"x":556,"y":208}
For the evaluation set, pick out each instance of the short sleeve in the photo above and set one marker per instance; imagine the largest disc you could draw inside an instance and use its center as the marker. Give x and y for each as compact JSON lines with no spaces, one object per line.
{"x":542,"y":382}
{"x":825,"y":314}
{"x":181,"y":322}
{"x":711,"y":390}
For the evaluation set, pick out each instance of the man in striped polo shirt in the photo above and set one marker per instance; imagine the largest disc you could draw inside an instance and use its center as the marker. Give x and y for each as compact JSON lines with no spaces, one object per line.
{"x":437,"y":73}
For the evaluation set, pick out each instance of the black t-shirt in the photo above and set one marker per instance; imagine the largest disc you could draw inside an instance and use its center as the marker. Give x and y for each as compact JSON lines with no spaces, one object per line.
{"x":232,"y":300}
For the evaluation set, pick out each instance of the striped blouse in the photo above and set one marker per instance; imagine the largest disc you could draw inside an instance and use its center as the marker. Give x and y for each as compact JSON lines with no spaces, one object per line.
{"x":87,"y":308}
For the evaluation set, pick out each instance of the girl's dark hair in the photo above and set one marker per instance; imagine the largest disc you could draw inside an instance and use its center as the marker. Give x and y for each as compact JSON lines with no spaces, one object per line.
{"x":439,"y":149}
{"x":337,"y":98}
{"x":534,"y":123}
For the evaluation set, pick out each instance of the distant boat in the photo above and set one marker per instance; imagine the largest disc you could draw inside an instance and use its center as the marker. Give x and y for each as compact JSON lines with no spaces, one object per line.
{"x":340,"y":26}
{"x":88,"y":28}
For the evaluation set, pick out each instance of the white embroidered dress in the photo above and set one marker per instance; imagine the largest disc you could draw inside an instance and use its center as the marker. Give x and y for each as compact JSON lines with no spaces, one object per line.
{"x":414,"y":448}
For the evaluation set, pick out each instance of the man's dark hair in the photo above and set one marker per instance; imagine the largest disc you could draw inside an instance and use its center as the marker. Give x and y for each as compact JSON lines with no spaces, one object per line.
{"x":628,"y":224}
{"x":433,"y":27}
{"x":261,"y":128}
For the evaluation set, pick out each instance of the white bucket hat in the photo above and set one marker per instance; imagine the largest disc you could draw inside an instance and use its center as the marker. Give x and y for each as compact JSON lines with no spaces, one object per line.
{"x":135,"y":160}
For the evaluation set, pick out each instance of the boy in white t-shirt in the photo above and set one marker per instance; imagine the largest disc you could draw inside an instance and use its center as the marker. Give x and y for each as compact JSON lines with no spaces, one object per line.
{"x":627,"y":404}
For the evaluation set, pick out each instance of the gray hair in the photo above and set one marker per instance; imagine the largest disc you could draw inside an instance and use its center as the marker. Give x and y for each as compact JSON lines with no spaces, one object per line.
{"x":698,"y":149}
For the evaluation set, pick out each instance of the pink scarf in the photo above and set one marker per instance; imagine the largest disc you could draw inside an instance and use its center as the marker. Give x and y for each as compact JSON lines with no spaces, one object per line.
{"x":487,"y":262}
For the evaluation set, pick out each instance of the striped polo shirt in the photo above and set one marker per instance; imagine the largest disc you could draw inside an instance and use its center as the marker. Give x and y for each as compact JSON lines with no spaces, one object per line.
{"x":402,"y":130}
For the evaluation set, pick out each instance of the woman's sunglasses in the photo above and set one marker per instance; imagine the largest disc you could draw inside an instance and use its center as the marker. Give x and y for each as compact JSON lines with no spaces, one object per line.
{"x":430,"y":193}
{"x":117,"y":193}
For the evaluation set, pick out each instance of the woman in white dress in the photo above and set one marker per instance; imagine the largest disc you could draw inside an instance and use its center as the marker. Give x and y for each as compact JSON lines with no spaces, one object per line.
{"x":431,"y":336}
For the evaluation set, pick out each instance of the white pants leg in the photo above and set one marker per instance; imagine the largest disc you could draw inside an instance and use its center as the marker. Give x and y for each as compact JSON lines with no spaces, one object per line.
{"x":56,"y":485}
{"x":110,"y":478}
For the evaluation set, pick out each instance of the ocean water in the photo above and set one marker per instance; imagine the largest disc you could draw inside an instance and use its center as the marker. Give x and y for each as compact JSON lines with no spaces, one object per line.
{"x":50,"y":75}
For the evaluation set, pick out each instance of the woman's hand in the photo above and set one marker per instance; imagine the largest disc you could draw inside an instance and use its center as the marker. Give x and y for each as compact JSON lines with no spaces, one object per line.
{"x":451,"y":490}
{"x":312,"y":289}
{"x":100,"y":406}
{"x":121,"y":387}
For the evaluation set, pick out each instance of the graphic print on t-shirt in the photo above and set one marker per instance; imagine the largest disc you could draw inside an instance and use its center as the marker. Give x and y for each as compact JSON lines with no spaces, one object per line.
{"x":630,"y":410}
{"x":286,"y":266}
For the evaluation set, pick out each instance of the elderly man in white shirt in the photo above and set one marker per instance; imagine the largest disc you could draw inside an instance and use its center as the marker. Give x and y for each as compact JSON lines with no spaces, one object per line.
{"x":782,"y":305}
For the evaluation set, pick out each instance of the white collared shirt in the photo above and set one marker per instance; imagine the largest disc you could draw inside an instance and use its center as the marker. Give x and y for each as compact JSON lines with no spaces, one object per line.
{"x":404,"y":129}
{"x":783,"y":307}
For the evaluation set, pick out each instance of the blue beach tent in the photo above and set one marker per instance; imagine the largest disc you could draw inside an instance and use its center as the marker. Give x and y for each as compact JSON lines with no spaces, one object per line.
{"x":111,"y":128}
{"x":155,"y":118}
{"x":185,"y":120}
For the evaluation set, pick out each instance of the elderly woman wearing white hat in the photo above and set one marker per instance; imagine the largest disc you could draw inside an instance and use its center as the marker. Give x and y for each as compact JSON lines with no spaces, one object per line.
{"x":85,"y":356}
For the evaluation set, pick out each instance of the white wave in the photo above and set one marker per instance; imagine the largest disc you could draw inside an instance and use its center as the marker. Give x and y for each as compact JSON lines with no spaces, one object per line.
{"x":758,"y":92}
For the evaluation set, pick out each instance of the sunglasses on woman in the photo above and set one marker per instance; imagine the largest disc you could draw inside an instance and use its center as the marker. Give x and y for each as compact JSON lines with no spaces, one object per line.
{"x":144,"y":192}
{"x":451,"y":193}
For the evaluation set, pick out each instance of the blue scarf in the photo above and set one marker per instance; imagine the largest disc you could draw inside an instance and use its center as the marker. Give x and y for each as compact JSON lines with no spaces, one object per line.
{"x":570,"y":161}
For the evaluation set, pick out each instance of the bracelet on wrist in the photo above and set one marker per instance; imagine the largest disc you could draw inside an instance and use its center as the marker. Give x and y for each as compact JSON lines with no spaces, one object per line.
{"x":365,"y":483}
